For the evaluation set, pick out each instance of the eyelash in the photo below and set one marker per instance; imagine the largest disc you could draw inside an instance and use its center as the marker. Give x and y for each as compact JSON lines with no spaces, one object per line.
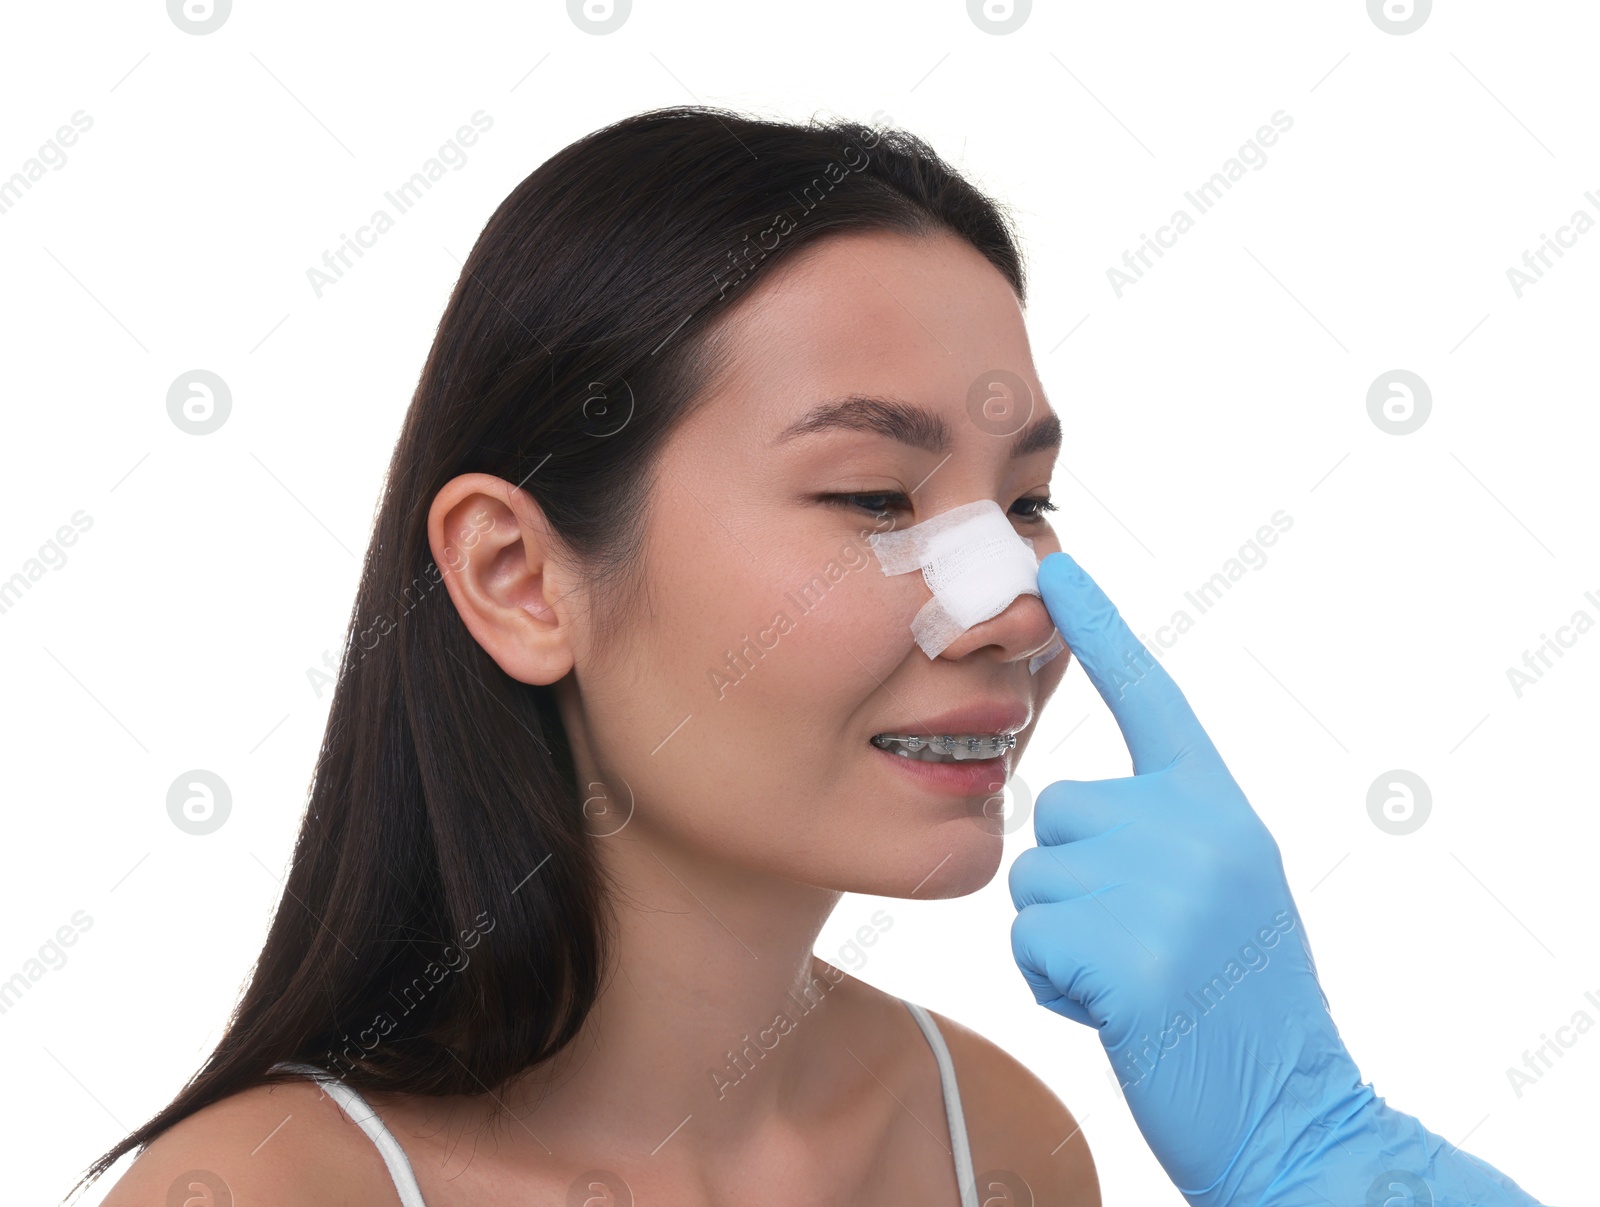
{"x":1035,"y":517}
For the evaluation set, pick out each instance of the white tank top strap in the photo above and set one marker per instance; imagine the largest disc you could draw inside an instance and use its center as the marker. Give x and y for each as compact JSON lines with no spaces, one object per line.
{"x":362,"y":1114}
{"x":966,"y":1180}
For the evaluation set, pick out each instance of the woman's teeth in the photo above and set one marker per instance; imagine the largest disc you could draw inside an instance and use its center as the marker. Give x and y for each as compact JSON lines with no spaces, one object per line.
{"x":945,"y":748}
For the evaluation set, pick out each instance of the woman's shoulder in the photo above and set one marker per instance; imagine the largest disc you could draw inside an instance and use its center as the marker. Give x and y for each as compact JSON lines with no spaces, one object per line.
{"x":281,"y":1143}
{"x":1015,"y":1122}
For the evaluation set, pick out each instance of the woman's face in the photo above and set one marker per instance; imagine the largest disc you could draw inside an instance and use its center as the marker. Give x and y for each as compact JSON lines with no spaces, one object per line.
{"x":735,"y":707}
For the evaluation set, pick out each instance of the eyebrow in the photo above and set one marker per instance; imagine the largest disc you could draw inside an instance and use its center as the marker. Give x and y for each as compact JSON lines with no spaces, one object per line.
{"x":910,"y":424}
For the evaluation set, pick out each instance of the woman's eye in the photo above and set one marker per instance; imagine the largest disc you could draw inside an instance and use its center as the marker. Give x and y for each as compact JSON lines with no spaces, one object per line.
{"x":880,"y":504}
{"x":876,"y":504}
{"x":1040,"y":507}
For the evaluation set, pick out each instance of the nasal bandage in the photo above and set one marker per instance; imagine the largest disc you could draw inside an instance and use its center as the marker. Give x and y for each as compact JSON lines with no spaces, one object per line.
{"x":974,"y":563}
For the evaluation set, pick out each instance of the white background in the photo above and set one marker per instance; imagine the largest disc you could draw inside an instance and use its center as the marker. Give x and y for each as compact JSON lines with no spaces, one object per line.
{"x":1229,"y":383}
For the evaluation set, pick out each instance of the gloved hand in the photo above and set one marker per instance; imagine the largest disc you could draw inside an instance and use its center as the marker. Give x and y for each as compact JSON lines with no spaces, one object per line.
{"x":1155,"y":909}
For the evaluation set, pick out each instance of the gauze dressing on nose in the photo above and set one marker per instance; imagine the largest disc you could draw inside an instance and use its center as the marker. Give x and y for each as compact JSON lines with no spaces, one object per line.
{"x":974,"y":563}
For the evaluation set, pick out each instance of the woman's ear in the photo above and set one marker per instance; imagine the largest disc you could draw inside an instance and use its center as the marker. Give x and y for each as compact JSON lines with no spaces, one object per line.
{"x":496,"y":552}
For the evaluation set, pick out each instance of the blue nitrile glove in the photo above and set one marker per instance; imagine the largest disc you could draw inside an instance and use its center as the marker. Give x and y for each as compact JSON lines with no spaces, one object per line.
{"x":1155,"y":909}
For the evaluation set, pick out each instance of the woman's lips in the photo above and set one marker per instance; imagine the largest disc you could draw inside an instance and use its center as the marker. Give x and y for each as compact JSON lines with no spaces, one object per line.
{"x":972,"y":777}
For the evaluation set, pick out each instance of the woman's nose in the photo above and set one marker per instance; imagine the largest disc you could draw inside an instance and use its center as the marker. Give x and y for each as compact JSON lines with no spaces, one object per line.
{"x":1021,"y":630}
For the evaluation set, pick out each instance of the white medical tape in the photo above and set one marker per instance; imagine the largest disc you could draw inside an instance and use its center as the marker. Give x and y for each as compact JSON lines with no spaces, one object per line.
{"x":975,"y":564}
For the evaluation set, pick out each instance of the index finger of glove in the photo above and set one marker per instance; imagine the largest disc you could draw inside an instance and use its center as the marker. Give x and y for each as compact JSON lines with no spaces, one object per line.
{"x":1155,"y":719}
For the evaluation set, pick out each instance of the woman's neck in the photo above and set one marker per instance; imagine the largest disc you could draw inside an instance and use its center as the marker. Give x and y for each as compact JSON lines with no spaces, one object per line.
{"x":711,"y":1027}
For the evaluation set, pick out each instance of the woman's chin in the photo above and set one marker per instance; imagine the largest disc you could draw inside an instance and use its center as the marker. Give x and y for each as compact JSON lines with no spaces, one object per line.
{"x":964,"y":861}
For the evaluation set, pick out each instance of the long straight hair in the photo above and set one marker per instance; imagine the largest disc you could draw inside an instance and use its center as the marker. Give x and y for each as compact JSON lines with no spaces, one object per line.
{"x":581,"y":329}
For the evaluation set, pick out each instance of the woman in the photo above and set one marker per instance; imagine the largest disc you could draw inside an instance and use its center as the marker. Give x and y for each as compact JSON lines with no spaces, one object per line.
{"x":599,"y":761}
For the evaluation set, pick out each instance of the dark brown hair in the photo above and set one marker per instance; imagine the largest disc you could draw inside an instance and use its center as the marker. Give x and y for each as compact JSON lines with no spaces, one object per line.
{"x":582,"y":328}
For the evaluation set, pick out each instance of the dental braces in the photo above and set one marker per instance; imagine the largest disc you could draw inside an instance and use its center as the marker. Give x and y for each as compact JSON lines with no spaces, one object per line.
{"x":947,"y":744}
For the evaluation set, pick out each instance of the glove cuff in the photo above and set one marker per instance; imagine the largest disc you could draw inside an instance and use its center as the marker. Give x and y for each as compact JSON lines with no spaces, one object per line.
{"x":1353,"y":1148}
{"x":1326,"y":1137}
